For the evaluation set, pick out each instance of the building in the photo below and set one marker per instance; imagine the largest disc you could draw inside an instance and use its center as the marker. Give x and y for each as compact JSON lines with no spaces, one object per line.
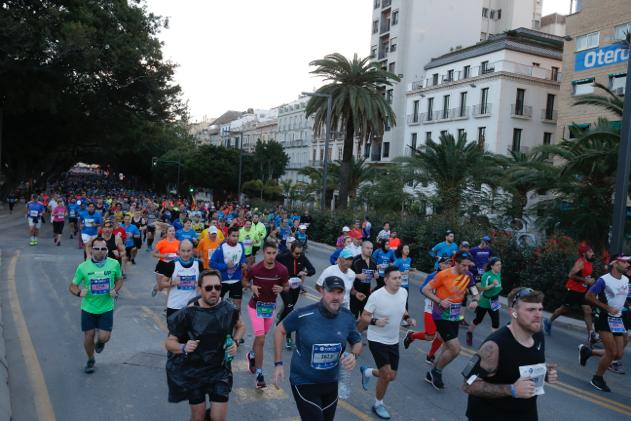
{"x":230,"y":131}
{"x":501,"y":93}
{"x":295,"y":134}
{"x":553,"y":24}
{"x":407,"y":34}
{"x":199,"y":130}
{"x":592,"y":55}
{"x":255,"y":131}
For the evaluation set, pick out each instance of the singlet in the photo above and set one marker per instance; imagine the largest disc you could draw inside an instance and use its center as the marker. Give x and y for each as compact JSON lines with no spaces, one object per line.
{"x":577,"y":286}
{"x":111,"y":247}
{"x":181,"y":294}
{"x":512,"y":356}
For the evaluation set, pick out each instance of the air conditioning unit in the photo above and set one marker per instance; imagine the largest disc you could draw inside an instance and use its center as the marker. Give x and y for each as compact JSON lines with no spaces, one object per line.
{"x":619,"y":91}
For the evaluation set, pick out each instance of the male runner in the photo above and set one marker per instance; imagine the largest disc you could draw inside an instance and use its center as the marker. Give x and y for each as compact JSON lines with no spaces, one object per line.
{"x":260,"y":232}
{"x":342,"y":270}
{"x":90,"y":222}
{"x":247,"y":236}
{"x":132,"y":234}
{"x":34,"y":215}
{"x":366,"y":271}
{"x":229,"y":259}
{"x":180,"y":277}
{"x":445,"y":248}
{"x":97,"y":282}
{"x":73,"y":215}
{"x":207,"y":246}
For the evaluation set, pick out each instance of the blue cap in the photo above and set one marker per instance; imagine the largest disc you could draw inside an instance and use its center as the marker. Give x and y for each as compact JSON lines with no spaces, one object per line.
{"x":486,"y":238}
{"x":346,"y":254}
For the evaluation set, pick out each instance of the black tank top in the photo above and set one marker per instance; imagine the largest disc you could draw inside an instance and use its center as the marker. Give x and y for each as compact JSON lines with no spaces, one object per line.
{"x":111,"y":246}
{"x":512,"y":356}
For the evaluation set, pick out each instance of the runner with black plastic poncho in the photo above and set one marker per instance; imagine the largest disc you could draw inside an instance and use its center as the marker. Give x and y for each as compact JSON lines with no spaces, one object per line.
{"x":199,"y":352}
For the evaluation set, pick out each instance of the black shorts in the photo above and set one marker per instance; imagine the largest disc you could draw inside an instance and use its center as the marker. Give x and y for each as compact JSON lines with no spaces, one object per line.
{"x":161,"y":267}
{"x":128,"y":251}
{"x":316,"y":402}
{"x":601,"y":324}
{"x":72,"y":220}
{"x":58,"y":227}
{"x":448,"y":329}
{"x":138,"y":242}
{"x":235,"y":289}
{"x":385,"y":354}
{"x":91,"y":321}
{"x":218,"y":390}
{"x":479,"y":316}
{"x":255,"y":249}
{"x":573,"y":298}
{"x":151,"y":228}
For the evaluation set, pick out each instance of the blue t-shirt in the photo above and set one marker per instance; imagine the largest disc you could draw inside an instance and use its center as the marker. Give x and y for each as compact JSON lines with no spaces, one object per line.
{"x":35,"y":210}
{"x":442,"y":249}
{"x":186,"y":235}
{"x":131,"y":230}
{"x":481,"y":256}
{"x":383,"y":260}
{"x":73,"y":210}
{"x":178,"y":225}
{"x":404,"y":266}
{"x":320,"y":341}
{"x":90,"y":222}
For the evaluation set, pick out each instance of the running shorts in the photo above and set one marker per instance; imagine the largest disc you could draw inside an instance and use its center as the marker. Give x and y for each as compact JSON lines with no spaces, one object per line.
{"x":87,"y":239}
{"x":260,"y":325}
{"x":602,"y":324}
{"x":91,"y":321}
{"x":447,"y":329}
{"x":384,"y":354}
{"x":235,"y":290}
{"x":573,"y":298}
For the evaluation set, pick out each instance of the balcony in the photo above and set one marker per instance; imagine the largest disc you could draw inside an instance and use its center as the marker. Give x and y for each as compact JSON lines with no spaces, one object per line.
{"x":460,"y":113}
{"x":521,"y":111}
{"x":428,"y":118}
{"x":315,"y":164}
{"x":549,"y":116}
{"x":442,"y":115}
{"x":482,"y":110}
{"x":414,"y":119}
{"x":383,"y":52}
{"x":385,"y":26}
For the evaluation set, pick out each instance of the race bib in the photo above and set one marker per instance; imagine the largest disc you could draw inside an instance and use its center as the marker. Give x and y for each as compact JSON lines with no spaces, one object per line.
{"x":247,"y":243}
{"x":265,"y":310}
{"x":89,"y":222}
{"x":370,"y":274}
{"x":495,"y":304}
{"x":33,"y":213}
{"x":616,"y":325}
{"x":325,"y":356}
{"x":405,"y":279}
{"x":429,"y":305}
{"x":294,"y":282}
{"x":454,"y":312}
{"x":187,"y":282}
{"x":170,"y":256}
{"x":99,"y":286}
{"x":382,"y":269}
{"x":535,"y":372}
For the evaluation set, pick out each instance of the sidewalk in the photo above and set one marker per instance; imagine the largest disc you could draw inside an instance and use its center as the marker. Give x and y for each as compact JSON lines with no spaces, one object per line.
{"x":5,"y":397}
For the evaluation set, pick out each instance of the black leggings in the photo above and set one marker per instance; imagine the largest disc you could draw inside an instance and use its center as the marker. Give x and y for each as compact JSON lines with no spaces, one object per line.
{"x":479,"y":316}
{"x":290,"y":298}
{"x":316,"y":402}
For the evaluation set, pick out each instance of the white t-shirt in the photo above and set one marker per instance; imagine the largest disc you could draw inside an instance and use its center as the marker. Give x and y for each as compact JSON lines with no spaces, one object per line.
{"x":382,"y":304}
{"x":348,"y":278}
{"x":356,"y":250}
{"x":231,"y":253}
{"x":181,"y":294}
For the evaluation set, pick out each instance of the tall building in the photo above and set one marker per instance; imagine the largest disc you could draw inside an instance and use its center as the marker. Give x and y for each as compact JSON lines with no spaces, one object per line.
{"x":295,"y":134}
{"x":407,"y":34}
{"x":592,"y":54}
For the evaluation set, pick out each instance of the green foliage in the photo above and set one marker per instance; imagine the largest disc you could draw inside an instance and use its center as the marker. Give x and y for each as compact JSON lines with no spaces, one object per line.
{"x":269,"y":160}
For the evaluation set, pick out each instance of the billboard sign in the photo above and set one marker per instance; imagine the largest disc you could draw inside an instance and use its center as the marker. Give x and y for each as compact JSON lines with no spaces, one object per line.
{"x":600,"y":57}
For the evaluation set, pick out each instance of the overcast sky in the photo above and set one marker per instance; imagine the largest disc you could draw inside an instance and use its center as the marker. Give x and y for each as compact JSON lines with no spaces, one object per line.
{"x":239,"y":54}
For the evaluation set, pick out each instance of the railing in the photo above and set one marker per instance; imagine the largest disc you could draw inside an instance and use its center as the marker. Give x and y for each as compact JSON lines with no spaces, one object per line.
{"x":442,"y":115}
{"x":481,"y":110}
{"x":414,"y":119}
{"x":315,"y":163}
{"x":382,"y":53}
{"x":521,"y":111}
{"x":549,"y":116}
{"x":427,"y":118}
{"x":459,"y":113}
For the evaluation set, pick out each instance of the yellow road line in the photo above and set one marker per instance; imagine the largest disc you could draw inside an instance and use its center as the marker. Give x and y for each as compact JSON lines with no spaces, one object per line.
{"x":595,"y":396}
{"x":156,"y":318}
{"x":582,"y":395}
{"x":43,"y":406}
{"x":350,"y":408}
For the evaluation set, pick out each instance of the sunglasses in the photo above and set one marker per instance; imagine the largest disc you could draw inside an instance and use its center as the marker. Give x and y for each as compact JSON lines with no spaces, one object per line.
{"x":99,"y":248}
{"x":209,"y":288}
{"x":522,"y":293}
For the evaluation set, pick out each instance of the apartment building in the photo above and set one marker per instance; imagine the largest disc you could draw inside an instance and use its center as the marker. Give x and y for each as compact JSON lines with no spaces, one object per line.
{"x":593,"y":54}
{"x":295,"y":134}
{"x":501,"y":93}
{"x":255,"y":131}
{"x":407,"y":34}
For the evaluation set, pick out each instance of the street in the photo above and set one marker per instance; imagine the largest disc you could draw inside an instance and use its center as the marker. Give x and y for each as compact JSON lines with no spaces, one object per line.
{"x":46,"y":358}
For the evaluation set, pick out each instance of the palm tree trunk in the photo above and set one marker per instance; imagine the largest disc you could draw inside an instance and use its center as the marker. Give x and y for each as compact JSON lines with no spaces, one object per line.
{"x":345,"y":168}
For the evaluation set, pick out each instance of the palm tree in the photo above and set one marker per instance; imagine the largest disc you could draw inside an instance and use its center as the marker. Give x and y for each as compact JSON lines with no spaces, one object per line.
{"x":314,"y":187}
{"x":359,"y":108}
{"x":360,"y":172}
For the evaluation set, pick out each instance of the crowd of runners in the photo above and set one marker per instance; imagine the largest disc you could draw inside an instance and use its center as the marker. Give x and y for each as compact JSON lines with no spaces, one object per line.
{"x":207,"y":254}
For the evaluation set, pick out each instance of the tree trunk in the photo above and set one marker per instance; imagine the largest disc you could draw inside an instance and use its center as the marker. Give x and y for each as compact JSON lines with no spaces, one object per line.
{"x":345,"y":168}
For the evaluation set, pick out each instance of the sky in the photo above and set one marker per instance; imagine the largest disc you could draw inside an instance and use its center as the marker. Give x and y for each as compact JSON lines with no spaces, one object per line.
{"x":240,"y":54}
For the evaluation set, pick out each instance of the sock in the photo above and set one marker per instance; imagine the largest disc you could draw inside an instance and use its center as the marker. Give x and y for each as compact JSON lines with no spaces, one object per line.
{"x":368,"y":372}
{"x":435,"y":345}
{"x":259,"y":371}
{"x":418,"y":336}
{"x":378,"y":402}
{"x":252,"y":354}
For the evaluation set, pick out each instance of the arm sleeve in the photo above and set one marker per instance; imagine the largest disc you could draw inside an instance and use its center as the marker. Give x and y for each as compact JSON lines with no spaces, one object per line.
{"x":598,"y":286}
{"x":216,"y":260}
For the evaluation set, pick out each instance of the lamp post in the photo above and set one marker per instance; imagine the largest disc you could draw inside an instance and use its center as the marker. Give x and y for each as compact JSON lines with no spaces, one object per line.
{"x":325,"y":165}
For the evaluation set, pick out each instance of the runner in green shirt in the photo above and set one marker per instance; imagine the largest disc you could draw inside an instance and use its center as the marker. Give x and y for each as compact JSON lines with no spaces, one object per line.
{"x":247,"y":236}
{"x":490,"y":287}
{"x":260,"y":232}
{"x":97,"y":282}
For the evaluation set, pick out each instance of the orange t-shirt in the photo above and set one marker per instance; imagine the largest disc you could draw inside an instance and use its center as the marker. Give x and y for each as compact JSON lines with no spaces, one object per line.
{"x":205,"y":249}
{"x":165,"y":246}
{"x":453,"y":287}
{"x":394,"y":243}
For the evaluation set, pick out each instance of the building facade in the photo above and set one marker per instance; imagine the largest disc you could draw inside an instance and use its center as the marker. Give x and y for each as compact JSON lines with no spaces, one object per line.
{"x":593,"y":54}
{"x":295,"y":134}
{"x":407,"y":34}
{"x":255,"y":131}
{"x":501,"y":93}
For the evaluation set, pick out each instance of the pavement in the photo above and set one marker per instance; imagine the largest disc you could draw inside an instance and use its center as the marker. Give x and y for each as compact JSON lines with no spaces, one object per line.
{"x":45,"y":356}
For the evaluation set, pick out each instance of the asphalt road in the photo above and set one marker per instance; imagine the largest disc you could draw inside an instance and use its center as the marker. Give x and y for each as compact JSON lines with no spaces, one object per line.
{"x":46,"y":357}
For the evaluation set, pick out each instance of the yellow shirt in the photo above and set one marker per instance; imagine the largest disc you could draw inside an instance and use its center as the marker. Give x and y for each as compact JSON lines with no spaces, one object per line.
{"x":220,"y":235}
{"x":205,"y":250}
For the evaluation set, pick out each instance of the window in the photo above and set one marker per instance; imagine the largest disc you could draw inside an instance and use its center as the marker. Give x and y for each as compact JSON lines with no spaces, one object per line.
{"x":585,"y":42}
{"x":428,"y":136}
{"x":484,"y":67}
{"x":375,"y":26}
{"x":389,"y":96}
{"x":462,"y":133}
{"x":617,"y":83}
{"x":450,"y":75}
{"x":393,"y":45}
{"x":499,"y":14}
{"x":550,"y":107}
{"x":466,"y":72}
{"x":413,"y":141}
{"x":620,"y":31}
{"x":387,"y":128}
{"x":547,"y":138}
{"x":444,"y":133}
{"x":377,"y":4}
{"x":492,"y":14}
{"x":430,"y":108}
{"x":554,"y":74}
{"x":481,"y":136}
{"x":391,"y":67}
{"x":582,"y":87}
{"x":574,"y":128}
{"x":516,"y":140}
{"x":519,"y":101}
{"x":435,"y":79}
{"x":445,"y":113}
{"x":415,"y":107}
{"x":485,"y":12}
{"x":313,"y":155}
{"x":386,"y":149}
{"x":484,"y":100}
{"x":463,"y":104}
{"x":395,"y":17}
{"x":373,"y":51}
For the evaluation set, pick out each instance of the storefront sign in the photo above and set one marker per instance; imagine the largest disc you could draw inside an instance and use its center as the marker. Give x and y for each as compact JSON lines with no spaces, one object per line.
{"x":600,"y":57}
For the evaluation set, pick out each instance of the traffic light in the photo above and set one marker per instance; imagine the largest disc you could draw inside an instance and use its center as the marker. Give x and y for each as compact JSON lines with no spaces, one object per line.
{"x":154,"y":162}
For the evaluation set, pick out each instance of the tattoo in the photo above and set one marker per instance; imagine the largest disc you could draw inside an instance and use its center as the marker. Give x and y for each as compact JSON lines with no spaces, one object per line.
{"x":489,"y":355}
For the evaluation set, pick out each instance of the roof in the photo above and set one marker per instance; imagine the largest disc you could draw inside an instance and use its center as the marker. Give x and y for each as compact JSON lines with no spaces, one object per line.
{"x":552,"y":18}
{"x":522,"y":40}
{"x":226,"y":117}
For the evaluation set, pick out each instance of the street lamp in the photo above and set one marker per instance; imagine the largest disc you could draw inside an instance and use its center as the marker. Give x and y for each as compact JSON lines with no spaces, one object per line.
{"x":325,"y":166}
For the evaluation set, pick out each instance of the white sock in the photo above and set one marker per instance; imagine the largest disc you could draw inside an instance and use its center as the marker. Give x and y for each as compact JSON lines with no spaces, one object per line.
{"x":378,"y":402}
{"x":369,"y":372}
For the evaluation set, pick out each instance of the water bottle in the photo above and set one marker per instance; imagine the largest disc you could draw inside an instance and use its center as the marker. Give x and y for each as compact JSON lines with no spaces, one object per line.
{"x":344,"y":385}
{"x":229,"y":342}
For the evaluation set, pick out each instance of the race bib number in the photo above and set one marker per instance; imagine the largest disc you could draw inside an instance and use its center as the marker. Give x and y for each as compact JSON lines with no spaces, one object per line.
{"x":405,"y":279}
{"x":325,"y":356}
{"x":429,"y":305}
{"x":187,"y":282}
{"x":265,"y":310}
{"x":382,"y":269}
{"x":495,"y":304}
{"x":89,"y":223}
{"x":33,"y":213}
{"x":454,"y":312}
{"x":616,"y":325}
{"x":294,"y":282}
{"x":100,"y":286}
{"x":535,"y":372}
{"x":370,"y":275}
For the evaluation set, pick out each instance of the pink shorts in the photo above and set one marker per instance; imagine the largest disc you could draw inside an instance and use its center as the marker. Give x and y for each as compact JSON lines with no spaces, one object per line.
{"x":260,"y":325}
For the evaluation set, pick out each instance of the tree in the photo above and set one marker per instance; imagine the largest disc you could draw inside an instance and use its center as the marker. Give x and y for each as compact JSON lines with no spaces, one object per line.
{"x":387,"y":190}
{"x":269,"y":160}
{"x":360,"y":172}
{"x":359,"y":109}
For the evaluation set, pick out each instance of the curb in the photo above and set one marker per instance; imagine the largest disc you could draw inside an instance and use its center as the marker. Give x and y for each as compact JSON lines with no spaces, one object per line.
{"x":5,"y":397}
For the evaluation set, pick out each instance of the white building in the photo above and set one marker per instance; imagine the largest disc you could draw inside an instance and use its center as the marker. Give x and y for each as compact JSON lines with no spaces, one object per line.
{"x":231,"y":131}
{"x":501,"y":93}
{"x":255,"y":131}
{"x":407,"y":34}
{"x":295,"y":134}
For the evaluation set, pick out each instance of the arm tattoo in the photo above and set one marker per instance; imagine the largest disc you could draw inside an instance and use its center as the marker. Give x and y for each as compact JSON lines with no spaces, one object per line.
{"x":489,"y":356}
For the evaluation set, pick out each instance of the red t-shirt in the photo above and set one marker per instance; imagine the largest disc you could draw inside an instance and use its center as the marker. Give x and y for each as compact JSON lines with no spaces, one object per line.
{"x":577,"y":286}
{"x":266,"y":279}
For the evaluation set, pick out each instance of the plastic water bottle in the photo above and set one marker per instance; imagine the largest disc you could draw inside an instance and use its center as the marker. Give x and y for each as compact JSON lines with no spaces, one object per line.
{"x":228,"y":344}
{"x":344,"y":385}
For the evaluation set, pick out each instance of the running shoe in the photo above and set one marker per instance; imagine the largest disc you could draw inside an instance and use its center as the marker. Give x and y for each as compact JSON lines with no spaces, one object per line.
{"x":593,"y":339}
{"x":429,"y":359}
{"x":469,"y":339}
{"x":89,"y":367}
{"x":547,"y":327}
{"x":435,"y":379}
{"x":260,"y":381}
{"x":365,"y":378}
{"x":617,"y":367}
{"x":381,"y":411}
{"x":251,"y":362}
{"x":98,"y":347}
{"x":408,"y":340}
{"x":599,"y":383}
{"x":583,"y":354}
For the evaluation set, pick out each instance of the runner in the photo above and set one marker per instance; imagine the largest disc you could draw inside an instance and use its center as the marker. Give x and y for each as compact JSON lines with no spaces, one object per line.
{"x":446,"y":248}
{"x":73,"y":215}
{"x":384,"y":257}
{"x":97,"y":282}
{"x":229,"y":259}
{"x":383,"y":313}
{"x":365,"y":270}
{"x":481,"y":255}
{"x":165,"y":251}
{"x":260,"y":232}
{"x":207,"y":246}
{"x":404,"y":264}
{"x":322,"y":331}
{"x":35,"y":216}
{"x":141,"y":223}
{"x":356,"y":231}
{"x":267,"y":279}
{"x":451,"y":286}
{"x":394,"y":242}
{"x":197,"y":346}
{"x":12,"y":199}
{"x":58,"y":216}
{"x":366,"y":229}
{"x":132,"y":235}
{"x":186,"y":232}
{"x":342,"y":270}
{"x":608,"y":294}
{"x":578,"y":281}
{"x":247,"y":236}
{"x":90,"y":223}
{"x":180,"y":278}
{"x":490,"y":286}
{"x":115,"y":246}
{"x":384,"y":234}
{"x":152,"y":217}
{"x":339,"y":243}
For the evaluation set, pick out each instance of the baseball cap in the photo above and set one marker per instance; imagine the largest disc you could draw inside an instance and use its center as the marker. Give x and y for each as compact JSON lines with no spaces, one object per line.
{"x":346,"y":254}
{"x":465,"y":244}
{"x":486,"y":238}
{"x":107,"y":224}
{"x":302,"y":227}
{"x":443,"y":259}
{"x":333,"y":282}
{"x":448,"y":232}
{"x":346,"y":229}
{"x":212,"y":229}
{"x":622,"y":257}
